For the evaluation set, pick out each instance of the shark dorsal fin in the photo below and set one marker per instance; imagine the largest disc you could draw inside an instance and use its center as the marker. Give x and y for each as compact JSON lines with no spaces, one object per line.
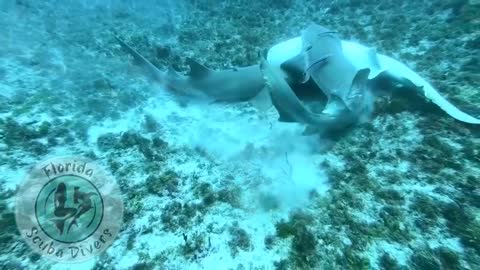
{"x":197,"y":70}
{"x":172,"y":72}
{"x":372,"y":57}
{"x":360,"y":78}
{"x":262,"y":101}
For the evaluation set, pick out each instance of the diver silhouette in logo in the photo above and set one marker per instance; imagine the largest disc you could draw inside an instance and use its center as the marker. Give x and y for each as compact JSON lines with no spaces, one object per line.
{"x":63,"y":214}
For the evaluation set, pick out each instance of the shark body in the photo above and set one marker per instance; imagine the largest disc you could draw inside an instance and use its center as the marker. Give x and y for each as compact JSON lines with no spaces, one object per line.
{"x":236,"y":85}
{"x":380,"y":67}
{"x":291,"y":109}
{"x":322,"y":60}
{"x":345,"y":72}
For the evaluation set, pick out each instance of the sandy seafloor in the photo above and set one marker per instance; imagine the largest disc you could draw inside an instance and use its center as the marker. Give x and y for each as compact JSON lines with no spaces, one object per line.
{"x":400,"y":192}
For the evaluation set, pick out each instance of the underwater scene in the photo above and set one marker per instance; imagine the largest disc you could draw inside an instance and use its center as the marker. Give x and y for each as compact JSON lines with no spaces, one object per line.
{"x":234,"y":134}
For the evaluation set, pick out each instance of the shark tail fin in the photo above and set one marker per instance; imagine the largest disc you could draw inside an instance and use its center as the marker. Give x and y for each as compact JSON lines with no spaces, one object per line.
{"x":147,"y":66}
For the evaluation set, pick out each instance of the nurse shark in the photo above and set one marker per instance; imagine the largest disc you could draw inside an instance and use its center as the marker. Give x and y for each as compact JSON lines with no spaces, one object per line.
{"x":345,"y":74}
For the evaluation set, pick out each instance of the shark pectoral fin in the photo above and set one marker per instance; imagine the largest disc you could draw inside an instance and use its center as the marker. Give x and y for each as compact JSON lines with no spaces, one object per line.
{"x":262,"y":101}
{"x":374,"y":64}
{"x":197,"y":70}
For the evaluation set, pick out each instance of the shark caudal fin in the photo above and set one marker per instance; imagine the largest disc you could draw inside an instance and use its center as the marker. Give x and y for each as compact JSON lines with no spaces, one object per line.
{"x":408,"y":77}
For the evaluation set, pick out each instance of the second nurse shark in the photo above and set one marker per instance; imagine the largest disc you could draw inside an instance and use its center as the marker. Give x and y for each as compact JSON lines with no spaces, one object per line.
{"x":342,"y":77}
